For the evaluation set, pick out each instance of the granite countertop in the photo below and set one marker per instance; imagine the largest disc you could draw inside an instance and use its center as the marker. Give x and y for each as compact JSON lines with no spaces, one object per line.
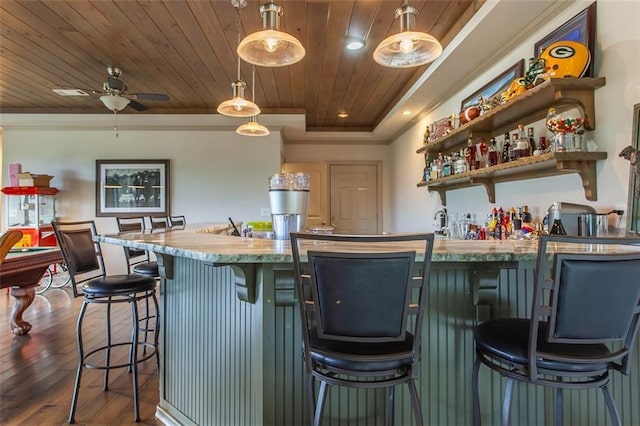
{"x":191,"y":242}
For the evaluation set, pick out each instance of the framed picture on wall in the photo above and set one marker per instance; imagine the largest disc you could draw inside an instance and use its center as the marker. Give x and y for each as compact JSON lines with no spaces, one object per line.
{"x":580,"y":28}
{"x":496,"y":86}
{"x":132,"y":187}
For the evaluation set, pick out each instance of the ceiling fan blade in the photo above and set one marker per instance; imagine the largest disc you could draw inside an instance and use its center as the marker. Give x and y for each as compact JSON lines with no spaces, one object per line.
{"x":137,"y":106}
{"x":151,"y":96}
{"x":115,"y":84}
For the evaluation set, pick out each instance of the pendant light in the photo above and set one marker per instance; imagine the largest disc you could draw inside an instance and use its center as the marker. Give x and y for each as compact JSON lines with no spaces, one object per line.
{"x":238,"y":106}
{"x":271,"y":47}
{"x":407,"y":48}
{"x":252,"y":127}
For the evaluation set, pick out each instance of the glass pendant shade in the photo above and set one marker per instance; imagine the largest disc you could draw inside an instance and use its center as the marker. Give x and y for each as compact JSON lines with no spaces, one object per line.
{"x":271,"y":47}
{"x":238,"y":106}
{"x":407,"y":48}
{"x":114,"y":102}
{"x":252,"y":128}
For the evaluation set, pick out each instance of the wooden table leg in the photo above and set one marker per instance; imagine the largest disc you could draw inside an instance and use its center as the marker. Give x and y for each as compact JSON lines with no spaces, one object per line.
{"x":24,"y":297}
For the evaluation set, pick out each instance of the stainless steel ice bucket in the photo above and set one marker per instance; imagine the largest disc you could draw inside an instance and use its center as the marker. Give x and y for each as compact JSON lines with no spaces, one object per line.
{"x":288,"y":211}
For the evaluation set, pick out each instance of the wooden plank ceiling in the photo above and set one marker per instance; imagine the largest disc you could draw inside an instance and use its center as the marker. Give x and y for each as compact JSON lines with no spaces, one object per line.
{"x":186,"y":49}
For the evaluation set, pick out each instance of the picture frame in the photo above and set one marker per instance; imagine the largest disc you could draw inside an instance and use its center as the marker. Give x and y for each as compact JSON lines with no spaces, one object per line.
{"x":128,"y":188}
{"x":496,"y":86}
{"x":580,"y":28}
{"x":440,"y":127}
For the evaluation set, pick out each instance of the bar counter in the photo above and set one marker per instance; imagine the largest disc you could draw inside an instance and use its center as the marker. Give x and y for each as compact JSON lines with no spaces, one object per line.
{"x":230,"y":337}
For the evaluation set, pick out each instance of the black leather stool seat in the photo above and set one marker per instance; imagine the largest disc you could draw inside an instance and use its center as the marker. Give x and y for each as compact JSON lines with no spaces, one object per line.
{"x":508,"y":338}
{"x":146,"y":268}
{"x":118,"y":284}
{"x":371,"y":357}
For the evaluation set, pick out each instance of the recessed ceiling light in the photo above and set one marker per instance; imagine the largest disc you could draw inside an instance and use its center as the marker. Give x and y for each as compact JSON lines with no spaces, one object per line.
{"x":407,"y":112}
{"x":343,"y":115}
{"x":353,"y":43}
{"x":70,"y":92}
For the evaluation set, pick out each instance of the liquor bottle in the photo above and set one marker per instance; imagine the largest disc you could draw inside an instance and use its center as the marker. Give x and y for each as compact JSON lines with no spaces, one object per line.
{"x":526,"y":215}
{"x":460,"y":165}
{"x":532,"y":142}
{"x":517,"y":220}
{"x":493,"y":153}
{"x":483,"y":149}
{"x":446,"y":166}
{"x":515,"y":147}
{"x":506,"y":147}
{"x":471,"y":154}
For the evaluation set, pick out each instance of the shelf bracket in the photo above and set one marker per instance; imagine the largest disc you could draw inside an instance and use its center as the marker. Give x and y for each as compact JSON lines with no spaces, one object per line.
{"x":586,"y":169}
{"x":489,"y":186}
{"x":442,"y":193}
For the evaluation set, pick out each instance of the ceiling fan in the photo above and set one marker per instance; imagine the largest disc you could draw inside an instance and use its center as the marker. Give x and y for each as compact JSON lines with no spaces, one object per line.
{"x":115,"y":97}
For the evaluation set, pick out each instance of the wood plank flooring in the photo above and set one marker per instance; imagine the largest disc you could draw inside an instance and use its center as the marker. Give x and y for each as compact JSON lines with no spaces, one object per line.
{"x":37,"y":371}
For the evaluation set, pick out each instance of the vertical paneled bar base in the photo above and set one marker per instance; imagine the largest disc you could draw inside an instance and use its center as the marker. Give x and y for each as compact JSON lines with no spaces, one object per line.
{"x":229,"y":362}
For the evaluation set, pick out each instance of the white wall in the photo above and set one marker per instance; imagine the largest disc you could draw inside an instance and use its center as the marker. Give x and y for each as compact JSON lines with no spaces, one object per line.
{"x":617,"y":58}
{"x":214,"y":174}
{"x":301,"y":153}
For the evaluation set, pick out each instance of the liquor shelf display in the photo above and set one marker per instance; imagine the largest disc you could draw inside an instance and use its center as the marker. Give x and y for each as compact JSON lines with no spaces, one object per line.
{"x":550,"y":164}
{"x":528,"y":107}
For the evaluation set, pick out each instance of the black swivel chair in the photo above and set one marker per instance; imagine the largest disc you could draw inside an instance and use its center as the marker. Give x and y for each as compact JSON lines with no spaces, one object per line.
{"x":138,"y":261}
{"x":84,"y":259}
{"x":159,"y":222}
{"x":177,"y":221}
{"x":362,"y":301}
{"x":583,"y":322}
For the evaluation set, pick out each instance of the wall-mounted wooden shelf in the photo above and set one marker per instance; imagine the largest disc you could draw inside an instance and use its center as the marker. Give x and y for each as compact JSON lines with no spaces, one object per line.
{"x":551,"y":164}
{"x":528,"y":107}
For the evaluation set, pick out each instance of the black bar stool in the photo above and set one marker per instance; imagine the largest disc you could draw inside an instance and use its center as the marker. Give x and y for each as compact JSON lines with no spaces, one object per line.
{"x":362,"y":302}
{"x":139,"y":262}
{"x":86,"y":267}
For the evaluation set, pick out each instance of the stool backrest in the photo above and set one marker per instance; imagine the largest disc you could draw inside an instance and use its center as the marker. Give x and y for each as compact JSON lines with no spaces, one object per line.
{"x":134,"y":256}
{"x":177,"y":221}
{"x":587,"y":292}
{"x":158,"y":222}
{"x":81,"y":254}
{"x":361,"y":289}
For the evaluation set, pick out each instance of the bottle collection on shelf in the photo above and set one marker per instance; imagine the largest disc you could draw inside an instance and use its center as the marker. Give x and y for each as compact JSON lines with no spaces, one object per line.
{"x":516,"y":145}
{"x":500,"y":225}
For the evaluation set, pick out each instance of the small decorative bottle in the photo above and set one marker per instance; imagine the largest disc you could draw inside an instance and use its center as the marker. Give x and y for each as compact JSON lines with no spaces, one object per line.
{"x":493,"y":153}
{"x":506,"y":147}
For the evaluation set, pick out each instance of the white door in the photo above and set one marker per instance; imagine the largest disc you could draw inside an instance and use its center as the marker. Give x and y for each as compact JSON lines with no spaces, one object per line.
{"x":354,"y":198}
{"x":318,"y":211}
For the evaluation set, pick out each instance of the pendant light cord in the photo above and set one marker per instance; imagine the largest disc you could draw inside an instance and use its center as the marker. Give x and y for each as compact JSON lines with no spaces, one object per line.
{"x":253,"y":84}
{"x":239,"y":31}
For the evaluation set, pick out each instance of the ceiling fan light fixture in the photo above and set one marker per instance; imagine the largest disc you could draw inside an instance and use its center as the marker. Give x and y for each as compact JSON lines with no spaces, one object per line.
{"x":238,"y":106}
{"x":407,"y":48}
{"x":115,"y":103}
{"x":253,"y":128}
{"x":271,"y":47}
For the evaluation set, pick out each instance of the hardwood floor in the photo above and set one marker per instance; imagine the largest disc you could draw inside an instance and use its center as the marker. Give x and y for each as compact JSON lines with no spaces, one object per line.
{"x":37,"y":371}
